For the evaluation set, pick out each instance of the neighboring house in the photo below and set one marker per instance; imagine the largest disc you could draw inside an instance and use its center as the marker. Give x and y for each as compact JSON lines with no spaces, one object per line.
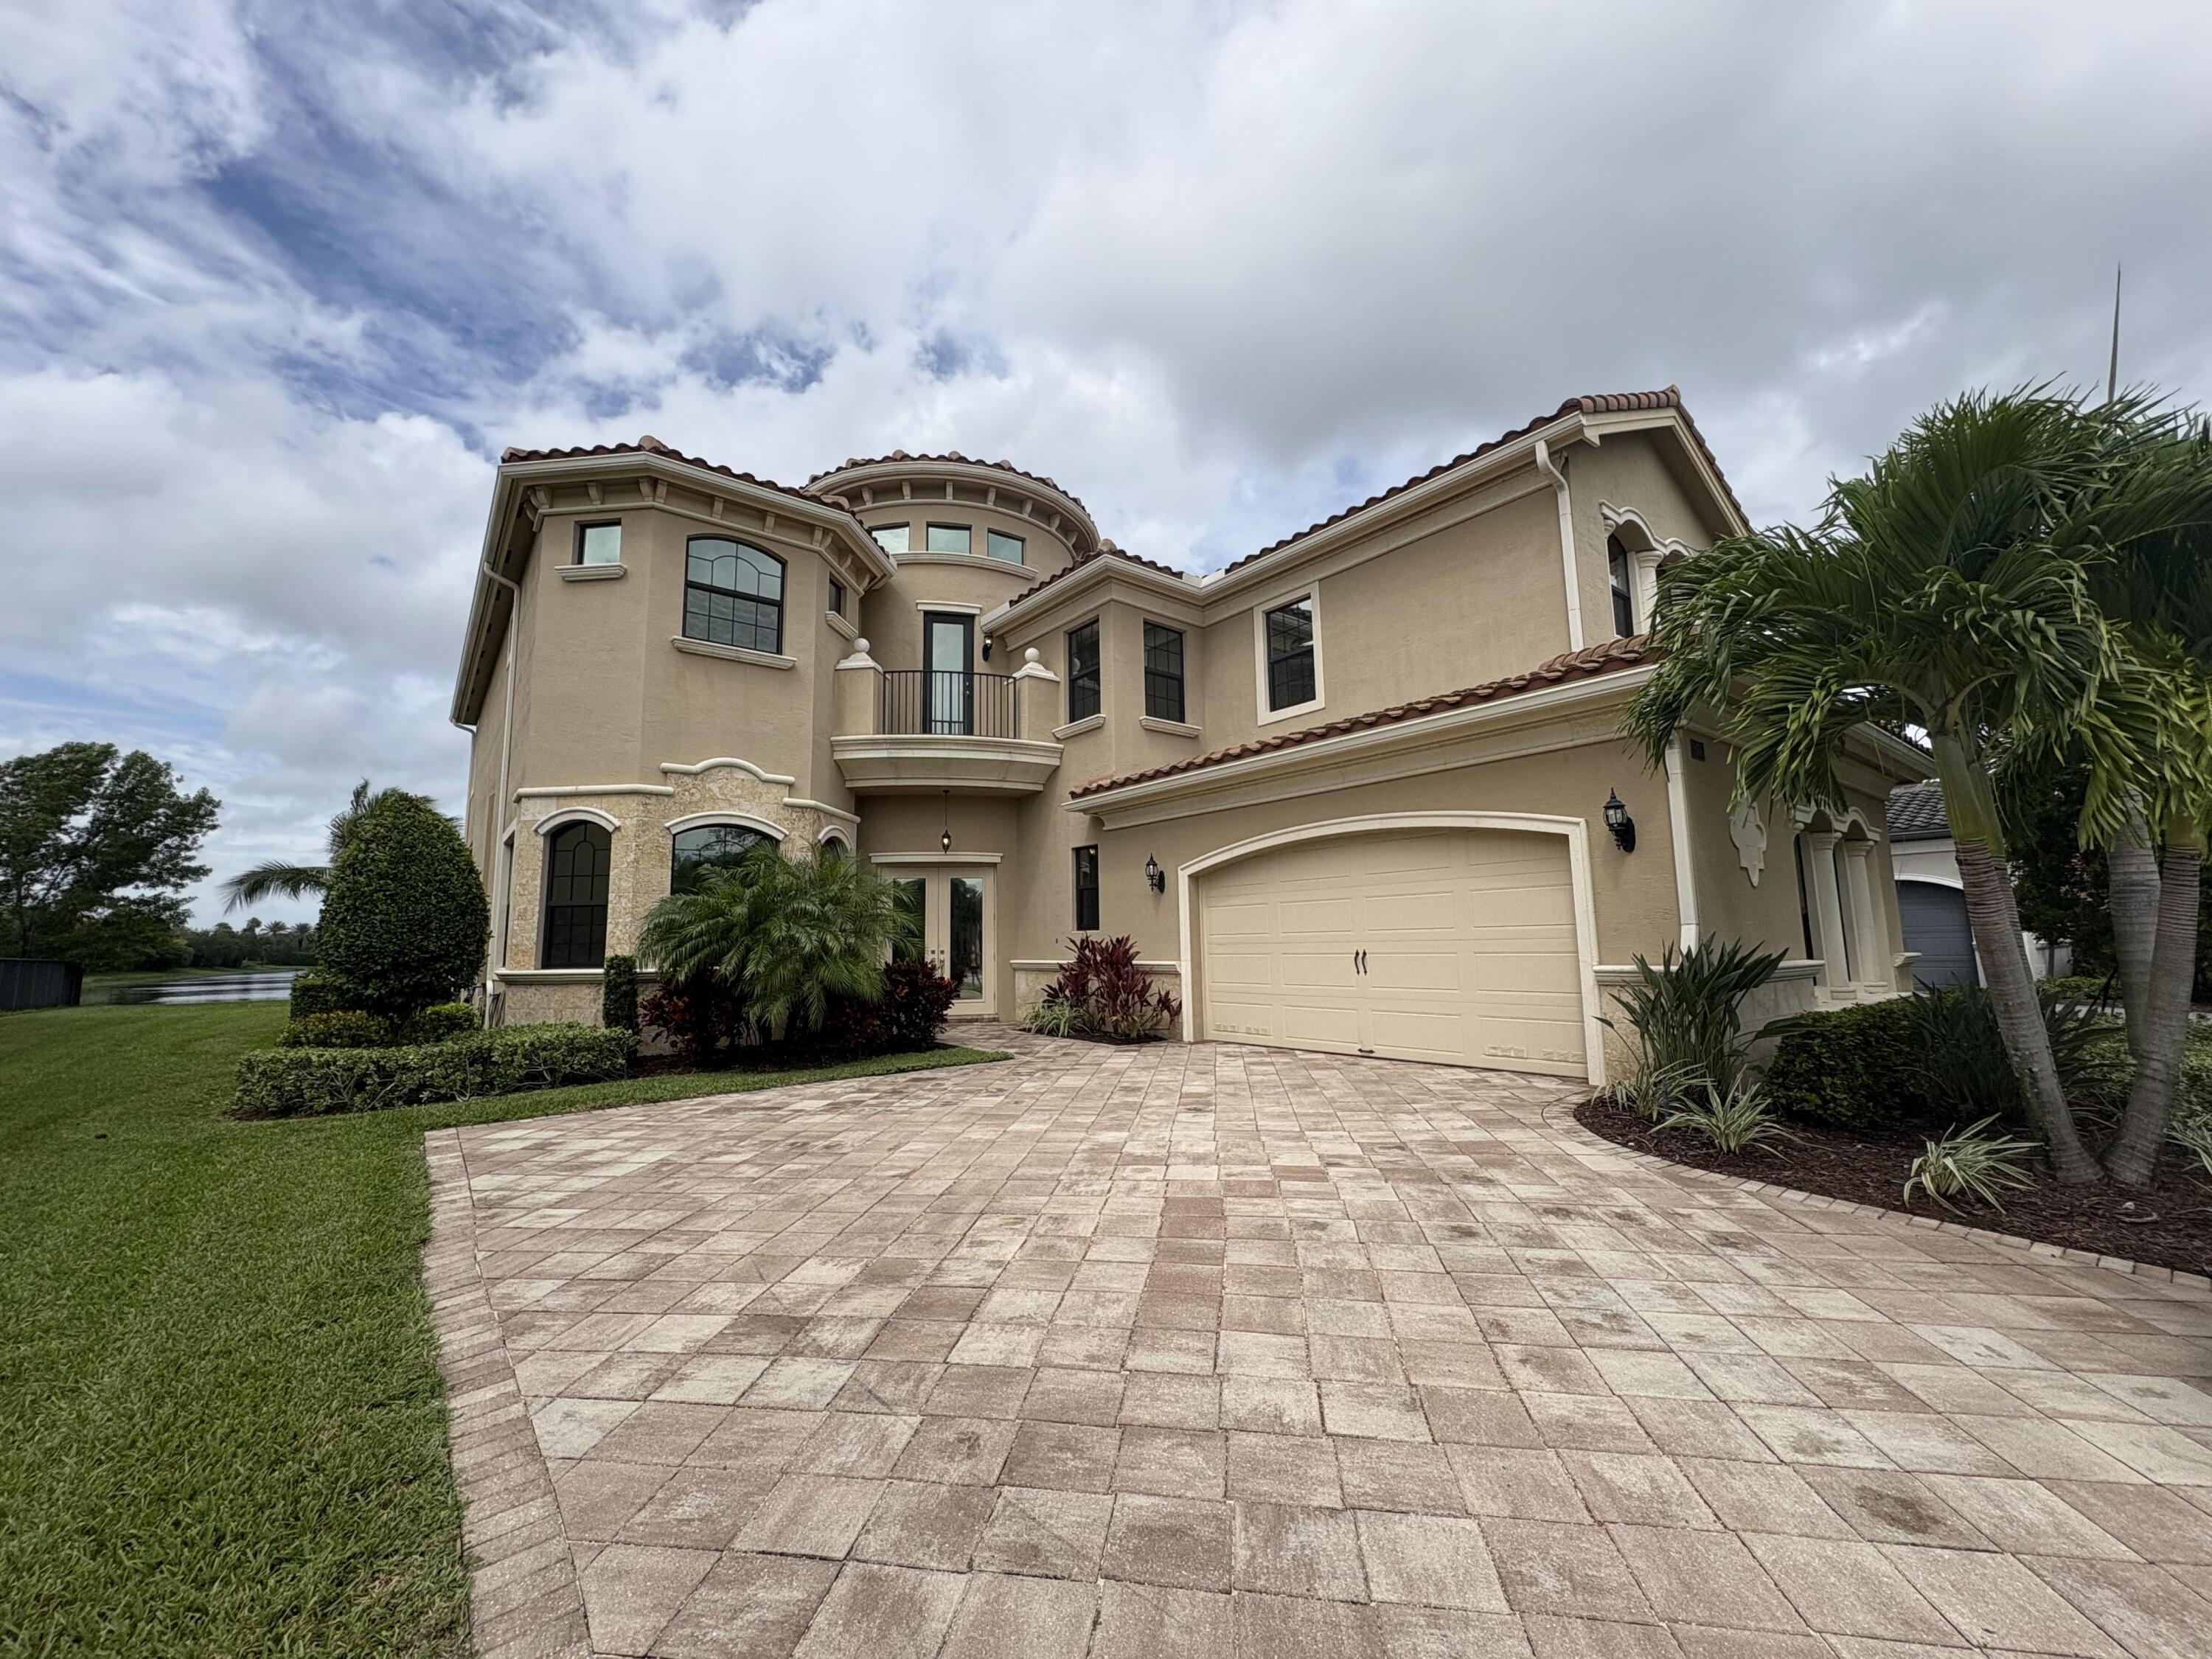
{"x":1931,"y":901}
{"x":1349,"y":793}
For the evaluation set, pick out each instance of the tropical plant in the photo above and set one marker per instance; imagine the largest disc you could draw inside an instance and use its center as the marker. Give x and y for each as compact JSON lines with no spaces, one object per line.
{"x":1730,"y":1119}
{"x":1053,"y":1016}
{"x":1970,"y":1163}
{"x":909,"y":1015}
{"x":1688,"y":1012}
{"x":789,"y":933}
{"x":1949,"y":591}
{"x":2195,"y":1138}
{"x":1108,"y":993}
{"x":1958,"y":1053}
{"x":405,"y":920}
{"x":618,"y":993}
{"x":1653,"y":1091}
{"x":276,"y":878}
{"x":702,"y":1015}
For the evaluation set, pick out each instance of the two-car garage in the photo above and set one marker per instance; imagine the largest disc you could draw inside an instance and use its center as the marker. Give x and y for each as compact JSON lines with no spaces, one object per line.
{"x":1434,"y":942}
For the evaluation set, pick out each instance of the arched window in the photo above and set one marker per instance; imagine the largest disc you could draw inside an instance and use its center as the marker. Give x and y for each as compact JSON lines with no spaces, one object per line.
{"x":708,"y":847}
{"x":577,"y":859}
{"x":733,"y":594}
{"x":833,"y":847}
{"x":1620,"y":576}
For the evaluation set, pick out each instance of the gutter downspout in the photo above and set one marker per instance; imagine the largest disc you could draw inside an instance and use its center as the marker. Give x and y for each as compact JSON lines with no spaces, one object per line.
{"x":1546,"y":465}
{"x":502,"y":849}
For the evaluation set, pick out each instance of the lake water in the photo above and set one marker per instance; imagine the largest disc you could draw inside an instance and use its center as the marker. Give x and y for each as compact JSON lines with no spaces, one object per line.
{"x":267,"y":985}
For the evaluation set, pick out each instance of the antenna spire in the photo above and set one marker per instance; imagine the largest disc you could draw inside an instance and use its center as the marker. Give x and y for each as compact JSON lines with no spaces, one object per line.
{"x":2112,"y":369}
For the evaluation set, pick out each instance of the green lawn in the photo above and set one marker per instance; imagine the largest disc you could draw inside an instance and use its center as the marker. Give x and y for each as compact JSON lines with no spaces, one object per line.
{"x":222,"y":1427}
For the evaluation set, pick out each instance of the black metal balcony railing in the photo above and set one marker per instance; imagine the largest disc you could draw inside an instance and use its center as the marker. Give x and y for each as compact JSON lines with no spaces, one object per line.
{"x":938,"y":703}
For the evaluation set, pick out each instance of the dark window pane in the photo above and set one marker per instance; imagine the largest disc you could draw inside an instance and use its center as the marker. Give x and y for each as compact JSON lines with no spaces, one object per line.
{"x":964,"y":964}
{"x":1086,"y":889}
{"x":911,"y":894}
{"x":836,"y":596}
{"x":1290,"y":655}
{"x":577,"y":859}
{"x":1619,"y":575}
{"x":1083,"y":693}
{"x":1163,"y":672}
{"x":732,"y":595}
{"x":708,"y":847}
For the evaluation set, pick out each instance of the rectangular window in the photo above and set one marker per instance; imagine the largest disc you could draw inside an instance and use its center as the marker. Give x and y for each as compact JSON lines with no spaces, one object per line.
{"x":599,"y":544}
{"x":1163,"y":673}
{"x":963,"y":942}
{"x":1003,"y":547}
{"x":910,"y":898}
{"x":1290,"y":654}
{"x":951,"y":538}
{"x":1619,"y":576}
{"x":1086,"y":890}
{"x":733,"y":594}
{"x":892,"y":537}
{"x":1083,"y":700}
{"x":836,"y":596}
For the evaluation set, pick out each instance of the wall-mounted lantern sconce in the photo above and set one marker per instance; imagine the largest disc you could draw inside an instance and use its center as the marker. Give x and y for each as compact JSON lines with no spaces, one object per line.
{"x":944,"y":841}
{"x":1156,"y":877}
{"x":987,"y":647}
{"x":1618,"y":821}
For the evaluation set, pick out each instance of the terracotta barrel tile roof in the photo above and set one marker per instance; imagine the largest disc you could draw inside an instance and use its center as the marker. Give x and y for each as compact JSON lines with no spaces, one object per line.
{"x":853,"y":463}
{"x":1104,"y":550}
{"x":649,"y":445}
{"x":1586,"y":664}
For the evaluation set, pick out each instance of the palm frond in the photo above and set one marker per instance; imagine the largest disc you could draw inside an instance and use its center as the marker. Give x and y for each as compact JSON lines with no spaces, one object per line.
{"x":275,"y":879}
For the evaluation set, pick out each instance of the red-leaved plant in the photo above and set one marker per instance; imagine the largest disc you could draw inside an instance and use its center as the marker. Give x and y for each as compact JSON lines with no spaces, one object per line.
{"x":1102,"y":992}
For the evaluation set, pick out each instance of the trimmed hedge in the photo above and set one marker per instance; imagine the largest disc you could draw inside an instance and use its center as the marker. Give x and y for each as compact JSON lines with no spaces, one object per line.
{"x":317,"y":1081}
{"x":1856,"y":1068}
{"x":313,"y":994}
{"x":405,"y":920}
{"x":618,"y":993}
{"x":354,"y":1028}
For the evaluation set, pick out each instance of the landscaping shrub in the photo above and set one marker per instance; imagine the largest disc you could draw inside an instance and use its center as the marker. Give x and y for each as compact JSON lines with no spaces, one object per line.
{"x":1111,"y":996}
{"x":317,"y":1082}
{"x":618,"y":993}
{"x":342,"y":1028}
{"x":405,"y":921}
{"x":2087,"y":987}
{"x":1688,"y":1012}
{"x":1729,"y":1119}
{"x":1967,"y":1072}
{"x":1974,"y":1163}
{"x":909,"y":1015}
{"x":441,"y":1023}
{"x":313,"y":994}
{"x":702,"y":1015}
{"x":1856,"y":1068}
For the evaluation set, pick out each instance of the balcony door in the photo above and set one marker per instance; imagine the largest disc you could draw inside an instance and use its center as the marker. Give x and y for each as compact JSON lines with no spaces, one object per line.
{"x":952,"y":904}
{"x":948,"y":653}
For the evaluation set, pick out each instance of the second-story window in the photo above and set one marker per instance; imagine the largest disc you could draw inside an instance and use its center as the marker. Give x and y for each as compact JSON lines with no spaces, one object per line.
{"x":951,"y":538}
{"x":892,"y":538}
{"x":1005,"y":548}
{"x":732,"y":595}
{"x":1083,"y":699}
{"x":1163,"y":673}
{"x":599,"y":544}
{"x":1290,"y":629}
{"x":836,"y":596}
{"x":1086,"y":890}
{"x":1620,"y":576}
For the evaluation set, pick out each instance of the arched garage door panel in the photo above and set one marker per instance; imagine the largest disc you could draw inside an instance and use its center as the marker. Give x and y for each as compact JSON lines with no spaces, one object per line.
{"x":1469,"y":938}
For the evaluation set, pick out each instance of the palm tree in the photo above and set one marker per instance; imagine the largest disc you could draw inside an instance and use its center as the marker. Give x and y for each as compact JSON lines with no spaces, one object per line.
{"x":790,"y":932}
{"x":1948,"y":590}
{"x":278,"y":879}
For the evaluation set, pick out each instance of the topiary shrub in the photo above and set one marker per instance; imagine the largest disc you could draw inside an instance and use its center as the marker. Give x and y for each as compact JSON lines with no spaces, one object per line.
{"x":1856,"y":1068}
{"x":342,"y":1028}
{"x":618,"y":993}
{"x":313,"y":994}
{"x":442,"y":1023}
{"x":405,"y":920}
{"x":317,"y":1081}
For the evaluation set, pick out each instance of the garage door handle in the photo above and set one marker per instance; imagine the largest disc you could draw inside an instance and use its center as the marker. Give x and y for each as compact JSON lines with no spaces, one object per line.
{"x":1359,"y":961}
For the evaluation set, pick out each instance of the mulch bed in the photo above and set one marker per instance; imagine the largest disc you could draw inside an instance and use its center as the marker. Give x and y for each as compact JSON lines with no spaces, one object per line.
{"x":2167,"y":1224}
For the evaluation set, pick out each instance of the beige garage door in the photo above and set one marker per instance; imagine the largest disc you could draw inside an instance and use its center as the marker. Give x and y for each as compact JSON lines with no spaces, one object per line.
{"x":1454,"y":946}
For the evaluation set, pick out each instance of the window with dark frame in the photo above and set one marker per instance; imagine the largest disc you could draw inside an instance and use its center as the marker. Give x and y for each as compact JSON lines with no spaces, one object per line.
{"x":732,"y":595}
{"x":1083,"y":685}
{"x":1086,"y":890}
{"x":577,"y":859}
{"x":1620,"y":576}
{"x":706,"y":847}
{"x":951,"y":538}
{"x":1290,"y":654}
{"x":1007,"y":550}
{"x":836,"y":597}
{"x":1163,"y":673}
{"x":599,"y":544}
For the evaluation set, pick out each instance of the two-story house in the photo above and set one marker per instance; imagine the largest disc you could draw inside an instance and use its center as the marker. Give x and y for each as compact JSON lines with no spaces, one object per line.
{"x":1361,"y":791}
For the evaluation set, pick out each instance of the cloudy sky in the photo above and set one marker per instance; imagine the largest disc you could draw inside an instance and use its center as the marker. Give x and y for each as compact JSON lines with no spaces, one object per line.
{"x":277,"y":282}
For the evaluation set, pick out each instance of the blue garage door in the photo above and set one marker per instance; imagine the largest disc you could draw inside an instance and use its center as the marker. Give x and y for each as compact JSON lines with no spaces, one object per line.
{"x":1935,"y":918}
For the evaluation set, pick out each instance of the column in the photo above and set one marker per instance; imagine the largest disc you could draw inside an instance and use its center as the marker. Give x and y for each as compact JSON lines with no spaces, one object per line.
{"x":1827,"y":894}
{"x":1873,"y":967}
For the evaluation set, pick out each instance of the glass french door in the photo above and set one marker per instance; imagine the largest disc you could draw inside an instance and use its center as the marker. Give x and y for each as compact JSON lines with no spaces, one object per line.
{"x":951,"y":906}
{"x":948,"y":652}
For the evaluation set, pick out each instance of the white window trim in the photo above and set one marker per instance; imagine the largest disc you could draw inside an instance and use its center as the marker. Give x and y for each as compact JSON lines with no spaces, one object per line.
{"x":593,"y":573}
{"x":736,"y":820}
{"x":552,"y":821}
{"x":1311,"y":593}
{"x":732,"y":653}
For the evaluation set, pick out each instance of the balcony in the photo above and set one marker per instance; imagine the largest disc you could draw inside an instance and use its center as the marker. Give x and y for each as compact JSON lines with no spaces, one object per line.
{"x":922,"y":730}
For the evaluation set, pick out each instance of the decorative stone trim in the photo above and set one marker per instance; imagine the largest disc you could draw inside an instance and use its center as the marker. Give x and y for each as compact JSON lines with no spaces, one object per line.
{"x":732,"y":653}
{"x":1077,"y":729}
{"x":839,"y":625}
{"x":523,"y":1593}
{"x":1172,"y":728}
{"x":1565,"y":1125}
{"x":593,"y":573}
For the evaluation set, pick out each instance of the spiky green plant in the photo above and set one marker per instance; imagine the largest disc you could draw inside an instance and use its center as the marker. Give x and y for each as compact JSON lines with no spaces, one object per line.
{"x":790,"y":932}
{"x":1053,"y":1016}
{"x":1730,"y":1119}
{"x":1687,"y":1014}
{"x":1970,"y":1163}
{"x":2195,"y":1139}
{"x":1656,"y":1091}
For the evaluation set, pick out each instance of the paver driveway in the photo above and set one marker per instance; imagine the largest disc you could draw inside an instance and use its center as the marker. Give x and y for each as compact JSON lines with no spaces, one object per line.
{"x":1221,"y":1350}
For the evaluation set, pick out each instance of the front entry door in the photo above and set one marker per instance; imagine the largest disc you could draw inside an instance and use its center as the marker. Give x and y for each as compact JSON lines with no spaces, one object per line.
{"x":948,"y":648}
{"x":953,"y":905}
